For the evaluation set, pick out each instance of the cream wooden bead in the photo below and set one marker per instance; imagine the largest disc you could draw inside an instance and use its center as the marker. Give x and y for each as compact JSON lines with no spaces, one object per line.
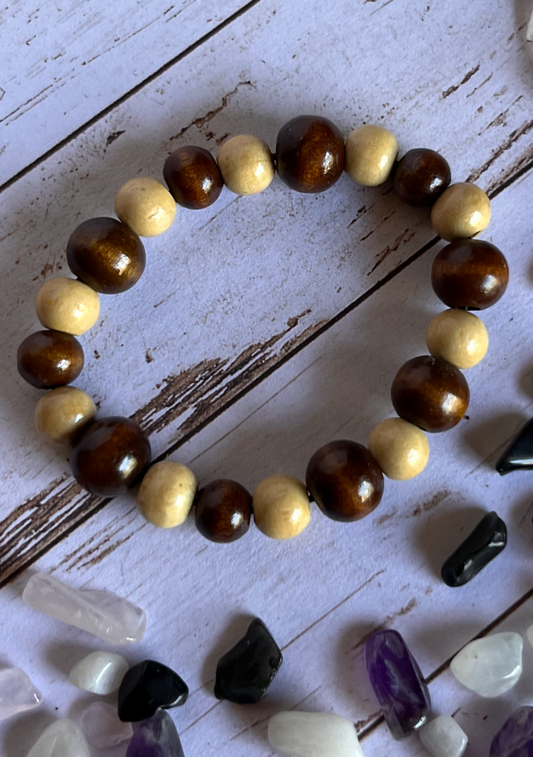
{"x":167,"y":493}
{"x":400,"y":448}
{"x":461,"y":212}
{"x":61,"y":413}
{"x":370,"y":155}
{"x":145,"y":206}
{"x":246,"y":164}
{"x":281,"y":507}
{"x":459,"y":337}
{"x":67,"y":305}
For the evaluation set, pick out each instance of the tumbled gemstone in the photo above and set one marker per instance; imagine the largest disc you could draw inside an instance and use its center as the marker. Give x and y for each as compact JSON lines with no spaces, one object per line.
{"x":101,"y":613}
{"x":102,"y":728}
{"x":313,"y":734}
{"x":99,"y":672}
{"x":519,"y":454}
{"x":485,"y":542}
{"x":148,"y":686}
{"x":247,"y":670}
{"x":490,"y":666}
{"x":156,"y":737}
{"x":515,"y":737}
{"x":61,"y":739}
{"x":443,"y":737}
{"x":397,"y":682}
{"x":17,"y":693}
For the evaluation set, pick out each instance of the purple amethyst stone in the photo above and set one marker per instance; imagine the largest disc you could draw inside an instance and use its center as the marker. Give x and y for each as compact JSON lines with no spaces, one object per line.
{"x":156,"y":737}
{"x":397,"y":682}
{"x":515,"y":737}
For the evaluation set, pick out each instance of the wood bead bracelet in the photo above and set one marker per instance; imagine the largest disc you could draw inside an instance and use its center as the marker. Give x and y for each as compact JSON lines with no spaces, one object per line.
{"x":345,"y":479}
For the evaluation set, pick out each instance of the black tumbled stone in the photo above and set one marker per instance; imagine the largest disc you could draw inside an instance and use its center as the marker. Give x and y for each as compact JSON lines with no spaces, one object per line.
{"x":246,"y":671}
{"x":519,"y":454}
{"x":485,"y":542}
{"x":146,"y":687}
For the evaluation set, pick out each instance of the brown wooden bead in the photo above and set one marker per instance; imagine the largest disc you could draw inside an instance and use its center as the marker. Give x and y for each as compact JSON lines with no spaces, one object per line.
{"x":344,"y":480}
{"x":470,"y":273}
{"x":420,"y":177}
{"x":111,"y":456}
{"x":106,"y":254}
{"x":430,"y":393}
{"x":193,"y":177}
{"x":310,"y":153}
{"x":50,"y":358}
{"x":223,"y":511}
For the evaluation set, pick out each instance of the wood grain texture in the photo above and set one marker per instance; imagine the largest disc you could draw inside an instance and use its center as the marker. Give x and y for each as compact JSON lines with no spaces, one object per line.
{"x":192,"y":372}
{"x":257,"y":325}
{"x":63,"y":64}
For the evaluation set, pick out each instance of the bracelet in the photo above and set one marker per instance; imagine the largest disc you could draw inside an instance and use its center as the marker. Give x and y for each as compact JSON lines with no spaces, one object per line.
{"x":429,"y":393}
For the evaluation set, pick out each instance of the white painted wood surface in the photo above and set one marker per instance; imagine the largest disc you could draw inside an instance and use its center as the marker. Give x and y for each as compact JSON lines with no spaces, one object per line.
{"x":263,"y":328}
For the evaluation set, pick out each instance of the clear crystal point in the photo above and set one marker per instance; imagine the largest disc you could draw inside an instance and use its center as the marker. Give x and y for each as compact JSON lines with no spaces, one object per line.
{"x":17,"y":693}
{"x":101,"y":613}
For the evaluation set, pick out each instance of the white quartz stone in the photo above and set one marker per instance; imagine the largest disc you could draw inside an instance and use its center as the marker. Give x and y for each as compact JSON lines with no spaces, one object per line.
{"x":17,"y":693}
{"x":443,"y":737}
{"x":490,"y":666}
{"x":101,"y":613}
{"x":99,"y":672}
{"x":529,"y":634}
{"x":313,"y":734}
{"x":102,"y":728}
{"x":61,"y":739}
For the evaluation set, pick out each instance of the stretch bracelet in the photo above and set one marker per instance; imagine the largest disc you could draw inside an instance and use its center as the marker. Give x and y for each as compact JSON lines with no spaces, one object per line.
{"x":429,"y":392}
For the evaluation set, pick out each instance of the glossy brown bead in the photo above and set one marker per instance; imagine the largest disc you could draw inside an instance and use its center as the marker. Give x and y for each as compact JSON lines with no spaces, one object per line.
{"x":47,"y":359}
{"x":310,"y":154}
{"x":193,"y":177}
{"x":431,"y":393}
{"x":344,"y":480}
{"x":223,"y":511}
{"x":470,"y":273}
{"x":106,"y":255}
{"x":111,"y":456}
{"x":420,"y":177}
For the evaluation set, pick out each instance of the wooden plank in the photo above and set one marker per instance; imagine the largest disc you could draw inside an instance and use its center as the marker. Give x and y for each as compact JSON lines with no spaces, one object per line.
{"x":322,"y":594}
{"x":63,"y":64}
{"x":274,"y":283}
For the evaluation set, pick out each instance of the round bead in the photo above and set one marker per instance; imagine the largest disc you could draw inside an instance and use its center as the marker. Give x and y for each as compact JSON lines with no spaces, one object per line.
{"x":166,"y":494}
{"x":110,"y":457}
{"x":106,"y":254}
{"x":344,"y":480}
{"x":223,"y":511}
{"x":430,"y":393}
{"x":145,"y":206}
{"x":62,"y":413}
{"x":459,"y":337}
{"x":281,"y":507}
{"x":309,"y":154}
{"x":420,"y":177}
{"x":193,"y":177}
{"x":401,"y":449}
{"x":50,"y":358}
{"x":470,"y":273}
{"x":462,"y":211}
{"x":370,"y":155}
{"x":67,"y":305}
{"x":246,"y":164}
